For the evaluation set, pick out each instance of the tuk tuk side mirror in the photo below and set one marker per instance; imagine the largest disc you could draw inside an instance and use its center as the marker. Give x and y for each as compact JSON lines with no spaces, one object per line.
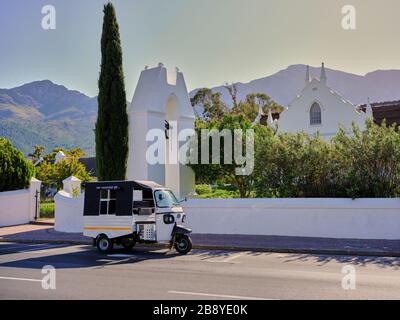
{"x":183,"y":200}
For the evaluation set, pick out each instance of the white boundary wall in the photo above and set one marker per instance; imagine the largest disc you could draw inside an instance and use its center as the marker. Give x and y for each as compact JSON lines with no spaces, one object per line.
{"x":69,"y":209}
{"x":68,"y":212}
{"x":326,"y":218}
{"x":18,"y":207}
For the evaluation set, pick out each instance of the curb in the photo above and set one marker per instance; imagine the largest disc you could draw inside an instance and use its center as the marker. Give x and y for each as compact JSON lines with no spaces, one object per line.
{"x":335,"y":252}
{"x":42,"y":223}
{"x":39,"y":241}
{"x":233,"y":248}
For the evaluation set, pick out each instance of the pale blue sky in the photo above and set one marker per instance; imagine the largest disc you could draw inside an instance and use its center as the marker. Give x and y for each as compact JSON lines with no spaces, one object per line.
{"x":211,"y":41}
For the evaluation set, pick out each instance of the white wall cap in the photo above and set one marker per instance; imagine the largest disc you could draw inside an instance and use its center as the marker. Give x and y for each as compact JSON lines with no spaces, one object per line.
{"x":72,"y":179}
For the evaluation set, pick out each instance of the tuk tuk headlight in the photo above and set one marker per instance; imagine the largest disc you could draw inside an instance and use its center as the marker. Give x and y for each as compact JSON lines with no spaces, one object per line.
{"x":169,"y":219}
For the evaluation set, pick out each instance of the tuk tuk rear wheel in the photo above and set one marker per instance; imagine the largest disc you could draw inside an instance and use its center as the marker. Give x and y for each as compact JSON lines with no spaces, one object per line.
{"x":104,"y":244}
{"x":183,"y":244}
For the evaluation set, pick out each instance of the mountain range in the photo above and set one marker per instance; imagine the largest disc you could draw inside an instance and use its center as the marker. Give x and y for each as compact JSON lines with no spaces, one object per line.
{"x":48,"y":114}
{"x":285,"y":85}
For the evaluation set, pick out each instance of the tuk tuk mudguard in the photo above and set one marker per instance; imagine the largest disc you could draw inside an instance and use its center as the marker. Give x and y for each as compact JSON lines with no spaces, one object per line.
{"x":176,"y":232}
{"x":178,"y":229}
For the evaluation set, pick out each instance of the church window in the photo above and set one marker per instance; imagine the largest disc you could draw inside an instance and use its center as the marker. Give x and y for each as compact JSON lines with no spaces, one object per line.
{"x":315,"y":114}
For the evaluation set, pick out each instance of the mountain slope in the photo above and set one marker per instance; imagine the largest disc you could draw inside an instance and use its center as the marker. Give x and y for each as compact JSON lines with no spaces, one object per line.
{"x":48,"y":114}
{"x":46,"y":100}
{"x":50,"y":134}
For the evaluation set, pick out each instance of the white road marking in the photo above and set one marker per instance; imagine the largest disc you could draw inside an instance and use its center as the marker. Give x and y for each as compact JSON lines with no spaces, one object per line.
{"x":208,"y":259}
{"x":118,"y":261}
{"x":111,"y":262}
{"x":216,"y":295}
{"x":105,"y":260}
{"x":117,"y":255}
{"x":21,"y":279}
{"x":232,"y":257}
{"x":211,"y":261}
{"x":203,"y":260}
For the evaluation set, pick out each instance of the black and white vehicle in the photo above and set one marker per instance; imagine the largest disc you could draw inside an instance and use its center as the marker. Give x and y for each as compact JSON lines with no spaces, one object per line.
{"x":130,"y":212}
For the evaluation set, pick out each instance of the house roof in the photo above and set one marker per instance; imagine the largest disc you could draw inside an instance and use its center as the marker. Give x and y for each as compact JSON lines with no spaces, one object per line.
{"x":90,"y":165}
{"x":389,"y":110}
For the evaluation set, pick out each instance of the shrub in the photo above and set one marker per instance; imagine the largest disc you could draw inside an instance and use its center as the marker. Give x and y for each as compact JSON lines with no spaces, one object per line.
{"x":203,"y":189}
{"x":219,"y":193}
{"x":356,"y":165}
{"x":368,"y":162}
{"x":15,"y":171}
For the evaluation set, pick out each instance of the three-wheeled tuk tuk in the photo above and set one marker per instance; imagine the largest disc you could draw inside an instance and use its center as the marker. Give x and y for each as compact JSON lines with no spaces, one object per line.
{"x":129,"y":212}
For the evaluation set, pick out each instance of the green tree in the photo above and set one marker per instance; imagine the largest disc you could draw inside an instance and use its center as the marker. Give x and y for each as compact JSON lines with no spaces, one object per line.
{"x":50,"y":173}
{"x":249,"y":107}
{"x":76,"y":153}
{"x":112,"y":119}
{"x":15,"y":171}
{"x":37,"y":153}
{"x":213,"y":107}
{"x":225,"y":171}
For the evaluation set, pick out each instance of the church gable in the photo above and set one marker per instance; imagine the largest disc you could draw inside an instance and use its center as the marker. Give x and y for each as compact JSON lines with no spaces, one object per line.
{"x":319,"y":108}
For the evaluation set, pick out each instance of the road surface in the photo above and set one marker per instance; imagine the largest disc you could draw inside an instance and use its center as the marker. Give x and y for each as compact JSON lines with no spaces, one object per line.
{"x":83,"y":273}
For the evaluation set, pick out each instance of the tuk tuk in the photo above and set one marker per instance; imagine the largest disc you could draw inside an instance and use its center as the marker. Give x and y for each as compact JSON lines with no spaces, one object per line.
{"x":129,"y":212}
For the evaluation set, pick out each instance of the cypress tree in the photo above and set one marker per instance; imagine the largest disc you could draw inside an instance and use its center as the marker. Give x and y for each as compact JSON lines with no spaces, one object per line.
{"x":112,"y":119}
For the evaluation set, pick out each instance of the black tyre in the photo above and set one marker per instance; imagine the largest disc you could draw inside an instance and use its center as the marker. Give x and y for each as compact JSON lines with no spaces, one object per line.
{"x":183,"y":244}
{"x":104,"y":244}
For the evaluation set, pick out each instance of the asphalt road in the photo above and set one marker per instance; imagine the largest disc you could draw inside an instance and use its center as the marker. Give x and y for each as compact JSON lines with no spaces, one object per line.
{"x":83,"y":273}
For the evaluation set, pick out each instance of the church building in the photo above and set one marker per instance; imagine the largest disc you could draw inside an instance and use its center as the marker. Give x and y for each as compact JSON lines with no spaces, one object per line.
{"x":320,"y":109}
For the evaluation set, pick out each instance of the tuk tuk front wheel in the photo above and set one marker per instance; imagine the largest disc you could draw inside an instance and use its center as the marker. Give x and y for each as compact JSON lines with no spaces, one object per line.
{"x":183,"y":244}
{"x":104,"y":244}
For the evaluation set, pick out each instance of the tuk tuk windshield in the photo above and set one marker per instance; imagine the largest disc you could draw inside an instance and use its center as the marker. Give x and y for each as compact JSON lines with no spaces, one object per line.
{"x":165,"y":199}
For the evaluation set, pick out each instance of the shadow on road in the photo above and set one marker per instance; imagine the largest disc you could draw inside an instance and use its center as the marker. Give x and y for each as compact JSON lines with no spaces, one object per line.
{"x":35,"y":256}
{"x":86,"y":257}
{"x":382,"y":262}
{"x":43,"y":234}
